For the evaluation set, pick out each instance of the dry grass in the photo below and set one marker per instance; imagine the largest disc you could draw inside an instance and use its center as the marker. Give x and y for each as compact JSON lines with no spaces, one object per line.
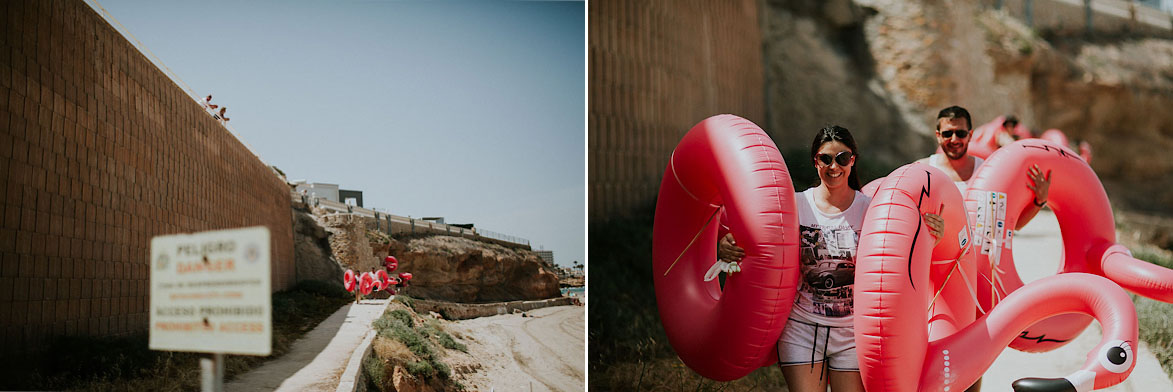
{"x":416,"y":344}
{"x":669,"y":374}
{"x":127,"y":364}
{"x":393,"y":350}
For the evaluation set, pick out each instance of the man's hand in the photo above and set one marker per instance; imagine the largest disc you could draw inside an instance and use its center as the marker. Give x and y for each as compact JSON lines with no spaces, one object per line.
{"x":1038,"y":183}
{"x":936,"y":224}
{"x":728,"y":250}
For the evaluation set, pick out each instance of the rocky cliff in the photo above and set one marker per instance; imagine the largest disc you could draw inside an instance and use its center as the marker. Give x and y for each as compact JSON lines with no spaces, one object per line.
{"x":883,"y":68}
{"x":442,"y":267}
{"x":462,"y":270}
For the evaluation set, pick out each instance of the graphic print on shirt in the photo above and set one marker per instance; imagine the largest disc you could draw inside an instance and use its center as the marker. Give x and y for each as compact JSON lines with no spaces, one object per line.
{"x":828,"y":269}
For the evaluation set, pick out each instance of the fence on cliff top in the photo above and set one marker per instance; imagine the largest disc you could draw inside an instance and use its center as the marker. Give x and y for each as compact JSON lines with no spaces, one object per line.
{"x":395,"y":224}
{"x":1089,"y":17}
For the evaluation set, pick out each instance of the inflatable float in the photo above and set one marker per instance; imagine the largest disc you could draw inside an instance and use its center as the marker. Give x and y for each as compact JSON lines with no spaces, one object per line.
{"x":985,"y":137}
{"x":726,"y":166}
{"x":366,"y":283}
{"x":899,"y":291}
{"x":997,"y":197}
{"x":348,"y":281}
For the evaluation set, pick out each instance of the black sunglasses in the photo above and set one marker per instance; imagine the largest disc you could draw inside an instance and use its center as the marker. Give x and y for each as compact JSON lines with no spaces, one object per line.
{"x":961,"y":134}
{"x":842,"y":158}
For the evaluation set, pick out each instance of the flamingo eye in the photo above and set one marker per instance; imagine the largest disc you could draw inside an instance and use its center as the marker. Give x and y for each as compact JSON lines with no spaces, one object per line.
{"x":1116,"y":356}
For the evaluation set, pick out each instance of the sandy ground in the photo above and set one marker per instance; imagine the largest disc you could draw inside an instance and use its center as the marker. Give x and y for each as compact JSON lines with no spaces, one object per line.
{"x":545,"y":352}
{"x":1040,"y":244}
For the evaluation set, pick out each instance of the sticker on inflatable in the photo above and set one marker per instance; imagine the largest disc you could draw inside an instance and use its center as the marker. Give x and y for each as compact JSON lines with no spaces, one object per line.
{"x":990,"y":223}
{"x":962,"y":239}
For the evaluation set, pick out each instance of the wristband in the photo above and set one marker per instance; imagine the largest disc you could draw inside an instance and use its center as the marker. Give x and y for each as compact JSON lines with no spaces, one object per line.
{"x":1037,"y":204}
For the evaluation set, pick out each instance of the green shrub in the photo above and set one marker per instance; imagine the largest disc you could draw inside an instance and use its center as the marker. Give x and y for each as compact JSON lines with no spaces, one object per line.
{"x":375,"y":372}
{"x":442,"y":369}
{"x":404,"y":316}
{"x":418,"y":344}
{"x":410,"y":302}
{"x":448,"y":342}
{"x":422,"y":369}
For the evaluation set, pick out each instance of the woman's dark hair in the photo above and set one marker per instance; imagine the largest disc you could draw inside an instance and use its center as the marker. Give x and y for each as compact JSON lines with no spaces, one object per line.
{"x":840,"y":134}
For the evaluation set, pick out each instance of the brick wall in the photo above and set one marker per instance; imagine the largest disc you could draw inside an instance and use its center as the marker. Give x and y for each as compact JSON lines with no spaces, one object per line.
{"x":656,"y":68}
{"x":99,"y":152}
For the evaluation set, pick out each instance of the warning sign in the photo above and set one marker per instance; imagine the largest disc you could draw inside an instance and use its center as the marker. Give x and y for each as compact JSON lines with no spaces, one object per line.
{"x":210,"y":292}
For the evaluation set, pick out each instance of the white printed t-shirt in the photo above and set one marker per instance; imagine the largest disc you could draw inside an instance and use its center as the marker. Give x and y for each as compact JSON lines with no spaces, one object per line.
{"x":827,"y":253}
{"x":961,"y":185}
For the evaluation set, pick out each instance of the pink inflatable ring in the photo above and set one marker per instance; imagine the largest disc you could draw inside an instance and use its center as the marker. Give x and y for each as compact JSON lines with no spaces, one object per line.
{"x":725,"y":164}
{"x":998,"y":189}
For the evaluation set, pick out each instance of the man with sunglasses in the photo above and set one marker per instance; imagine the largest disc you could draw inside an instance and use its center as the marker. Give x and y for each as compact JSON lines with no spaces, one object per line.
{"x":953,"y":134}
{"x":954,"y":129}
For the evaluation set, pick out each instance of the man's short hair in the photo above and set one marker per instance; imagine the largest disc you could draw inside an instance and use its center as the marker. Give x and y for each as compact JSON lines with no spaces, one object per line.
{"x":954,"y":112}
{"x":1010,"y":120}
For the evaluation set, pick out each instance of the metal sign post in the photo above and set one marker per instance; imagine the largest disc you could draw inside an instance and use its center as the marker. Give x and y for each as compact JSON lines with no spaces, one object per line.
{"x":212,"y":372}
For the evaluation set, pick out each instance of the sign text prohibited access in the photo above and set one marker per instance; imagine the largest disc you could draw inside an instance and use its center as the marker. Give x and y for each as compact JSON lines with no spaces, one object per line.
{"x":210,"y":292}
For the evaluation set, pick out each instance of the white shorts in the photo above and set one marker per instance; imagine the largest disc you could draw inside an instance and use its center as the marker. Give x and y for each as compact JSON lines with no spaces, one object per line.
{"x":804,"y":343}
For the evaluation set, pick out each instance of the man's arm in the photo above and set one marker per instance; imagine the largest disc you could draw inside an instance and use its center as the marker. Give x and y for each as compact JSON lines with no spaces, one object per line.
{"x":1041,"y":186}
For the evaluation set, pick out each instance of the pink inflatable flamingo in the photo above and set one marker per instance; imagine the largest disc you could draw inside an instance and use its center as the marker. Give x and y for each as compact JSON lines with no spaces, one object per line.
{"x":1055,"y":136}
{"x":998,"y":190}
{"x":899,"y":291}
{"x":725,"y":163}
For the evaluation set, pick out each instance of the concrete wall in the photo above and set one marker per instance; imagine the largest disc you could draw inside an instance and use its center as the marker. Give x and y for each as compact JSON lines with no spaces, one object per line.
{"x":656,"y":68}
{"x":100,"y":152}
{"x":460,"y":311}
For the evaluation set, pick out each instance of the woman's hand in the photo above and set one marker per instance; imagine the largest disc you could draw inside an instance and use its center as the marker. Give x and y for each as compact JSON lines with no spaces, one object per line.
{"x":936,"y":225}
{"x":728,"y":250}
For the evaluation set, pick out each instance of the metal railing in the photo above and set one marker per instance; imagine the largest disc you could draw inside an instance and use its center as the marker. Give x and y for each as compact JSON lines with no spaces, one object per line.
{"x":1141,"y":15}
{"x":413,"y":225}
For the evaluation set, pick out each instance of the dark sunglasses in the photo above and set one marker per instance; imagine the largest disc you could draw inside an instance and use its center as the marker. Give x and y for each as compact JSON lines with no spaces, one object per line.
{"x":842,"y":158}
{"x":961,"y":134}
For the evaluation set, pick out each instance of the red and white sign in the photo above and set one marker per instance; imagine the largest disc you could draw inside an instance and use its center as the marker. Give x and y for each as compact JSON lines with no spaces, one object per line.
{"x":210,"y":292}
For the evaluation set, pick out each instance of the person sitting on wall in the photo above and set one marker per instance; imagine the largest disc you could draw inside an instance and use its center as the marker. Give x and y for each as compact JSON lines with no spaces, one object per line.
{"x":221,"y":116}
{"x":207,"y":102}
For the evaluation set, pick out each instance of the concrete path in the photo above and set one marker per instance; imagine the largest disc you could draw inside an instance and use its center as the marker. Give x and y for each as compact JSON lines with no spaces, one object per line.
{"x":318,"y":359}
{"x":1037,"y":252}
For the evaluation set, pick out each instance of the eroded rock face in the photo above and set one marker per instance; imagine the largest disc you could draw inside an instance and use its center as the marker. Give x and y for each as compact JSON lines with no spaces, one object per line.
{"x":349,"y":242}
{"x":462,"y":270}
{"x":311,"y":250}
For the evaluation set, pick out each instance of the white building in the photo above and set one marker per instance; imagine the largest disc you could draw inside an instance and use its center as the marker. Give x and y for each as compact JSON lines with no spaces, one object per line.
{"x":547,"y":255}
{"x":317,"y":189}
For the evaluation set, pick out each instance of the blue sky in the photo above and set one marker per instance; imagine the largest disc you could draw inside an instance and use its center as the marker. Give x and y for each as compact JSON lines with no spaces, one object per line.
{"x":470,"y":110}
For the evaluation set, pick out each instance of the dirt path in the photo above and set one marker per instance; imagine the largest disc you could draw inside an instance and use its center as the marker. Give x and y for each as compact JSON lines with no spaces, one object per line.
{"x":1037,"y":252}
{"x":545,"y":352}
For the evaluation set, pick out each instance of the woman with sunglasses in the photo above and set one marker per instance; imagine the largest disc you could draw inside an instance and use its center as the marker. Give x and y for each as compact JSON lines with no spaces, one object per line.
{"x":817,"y":346}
